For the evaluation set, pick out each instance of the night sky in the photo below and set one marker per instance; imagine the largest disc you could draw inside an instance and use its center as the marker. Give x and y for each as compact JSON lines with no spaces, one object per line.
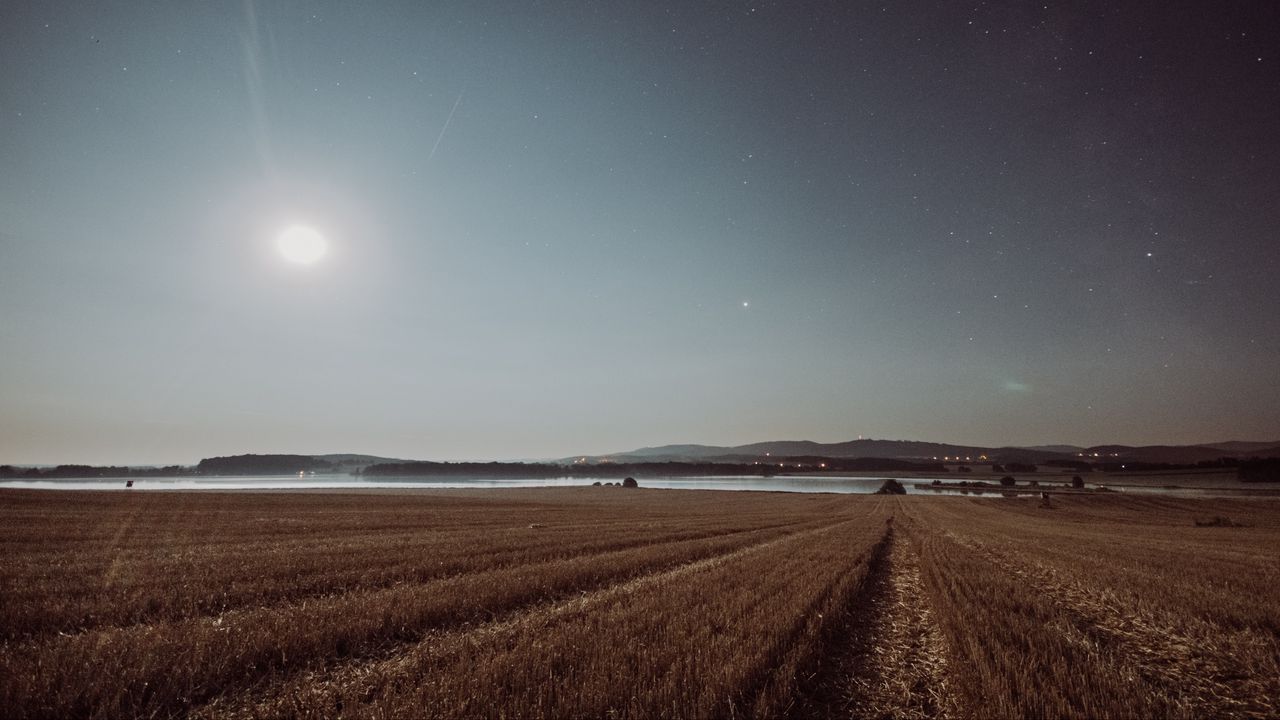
{"x":557,"y":228}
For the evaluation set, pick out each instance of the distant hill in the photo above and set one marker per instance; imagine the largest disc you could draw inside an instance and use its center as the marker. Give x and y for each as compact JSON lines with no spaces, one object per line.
{"x":1064,"y":449}
{"x":287,"y":464}
{"x":261,"y":465}
{"x":928,"y":451}
{"x":346,"y":462}
{"x":1240,"y":447}
{"x":643,"y":468}
{"x":349,"y":458}
{"x":914,"y":451}
{"x":879,"y":454}
{"x":685,"y":451}
{"x":888,"y":449}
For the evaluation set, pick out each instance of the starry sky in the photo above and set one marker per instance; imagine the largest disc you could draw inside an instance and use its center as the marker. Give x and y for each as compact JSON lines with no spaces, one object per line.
{"x":584,"y":227}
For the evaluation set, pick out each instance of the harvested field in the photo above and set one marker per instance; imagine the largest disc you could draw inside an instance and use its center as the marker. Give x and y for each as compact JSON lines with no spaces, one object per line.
{"x":636,"y":603}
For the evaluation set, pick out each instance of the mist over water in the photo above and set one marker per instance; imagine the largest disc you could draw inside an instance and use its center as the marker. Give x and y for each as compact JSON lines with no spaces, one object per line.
{"x":793,"y":484}
{"x":339,"y":482}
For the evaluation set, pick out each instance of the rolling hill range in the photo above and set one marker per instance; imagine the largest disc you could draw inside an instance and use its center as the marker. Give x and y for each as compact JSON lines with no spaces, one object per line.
{"x":919,"y":450}
{"x":1246,"y":448}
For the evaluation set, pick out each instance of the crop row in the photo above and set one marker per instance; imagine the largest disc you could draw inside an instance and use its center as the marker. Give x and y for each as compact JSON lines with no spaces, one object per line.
{"x":727,"y":637}
{"x":1052,"y":615}
{"x":1147,"y":552}
{"x":147,"y":589}
{"x":206,"y":555}
{"x":160,"y":667}
{"x":637,"y":603}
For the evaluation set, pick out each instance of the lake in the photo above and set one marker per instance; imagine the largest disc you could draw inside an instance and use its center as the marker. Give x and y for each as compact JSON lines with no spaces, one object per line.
{"x":338,"y":482}
{"x":803,"y":484}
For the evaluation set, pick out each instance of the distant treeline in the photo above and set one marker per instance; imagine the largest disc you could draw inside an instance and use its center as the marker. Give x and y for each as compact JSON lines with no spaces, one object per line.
{"x":1249,"y":470}
{"x":262,"y":465}
{"x":91,"y":471}
{"x":471,"y":469}
{"x":1266,"y":470}
{"x":293,"y":464}
{"x":813,"y":463}
{"x":1117,"y":466}
{"x":643,"y":469}
{"x":1124,"y":466}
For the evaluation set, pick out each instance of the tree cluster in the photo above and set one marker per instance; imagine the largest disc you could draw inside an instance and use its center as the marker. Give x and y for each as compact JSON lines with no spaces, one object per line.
{"x":90,"y":471}
{"x":1260,"y":470}
{"x":262,"y":465}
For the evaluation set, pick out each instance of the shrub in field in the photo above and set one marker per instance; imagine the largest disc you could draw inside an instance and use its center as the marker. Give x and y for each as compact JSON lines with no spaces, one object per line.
{"x":1007,"y":481}
{"x":1218,"y":521}
{"x":891,"y":487}
{"x":630,"y":483}
{"x":1077,"y":482}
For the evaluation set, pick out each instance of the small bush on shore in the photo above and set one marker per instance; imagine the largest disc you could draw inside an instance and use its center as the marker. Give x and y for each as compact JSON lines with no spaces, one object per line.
{"x":891,"y":487}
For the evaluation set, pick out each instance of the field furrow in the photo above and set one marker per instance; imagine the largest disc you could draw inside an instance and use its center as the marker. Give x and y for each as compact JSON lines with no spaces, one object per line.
{"x":123,"y":591}
{"x":162,"y":667}
{"x":1011,"y":656}
{"x":591,"y":602}
{"x":1148,"y":551}
{"x":887,"y":658}
{"x":910,"y":675}
{"x":659,"y":645}
{"x":1203,"y":670}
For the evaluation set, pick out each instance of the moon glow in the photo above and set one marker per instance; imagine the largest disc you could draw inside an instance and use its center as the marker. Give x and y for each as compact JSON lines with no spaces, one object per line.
{"x":302,"y":245}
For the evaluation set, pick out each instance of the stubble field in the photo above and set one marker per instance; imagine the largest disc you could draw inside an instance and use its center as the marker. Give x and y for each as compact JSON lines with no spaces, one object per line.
{"x":599,"y":602}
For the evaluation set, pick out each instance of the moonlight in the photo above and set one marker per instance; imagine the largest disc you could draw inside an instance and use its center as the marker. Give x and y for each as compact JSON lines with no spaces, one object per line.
{"x":302,"y":245}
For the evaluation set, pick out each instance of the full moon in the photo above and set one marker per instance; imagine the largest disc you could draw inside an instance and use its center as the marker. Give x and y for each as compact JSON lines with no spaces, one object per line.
{"x":301,"y":244}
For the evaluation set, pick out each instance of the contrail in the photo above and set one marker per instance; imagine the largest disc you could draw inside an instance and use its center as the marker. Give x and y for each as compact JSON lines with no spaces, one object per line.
{"x":446,"y":126}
